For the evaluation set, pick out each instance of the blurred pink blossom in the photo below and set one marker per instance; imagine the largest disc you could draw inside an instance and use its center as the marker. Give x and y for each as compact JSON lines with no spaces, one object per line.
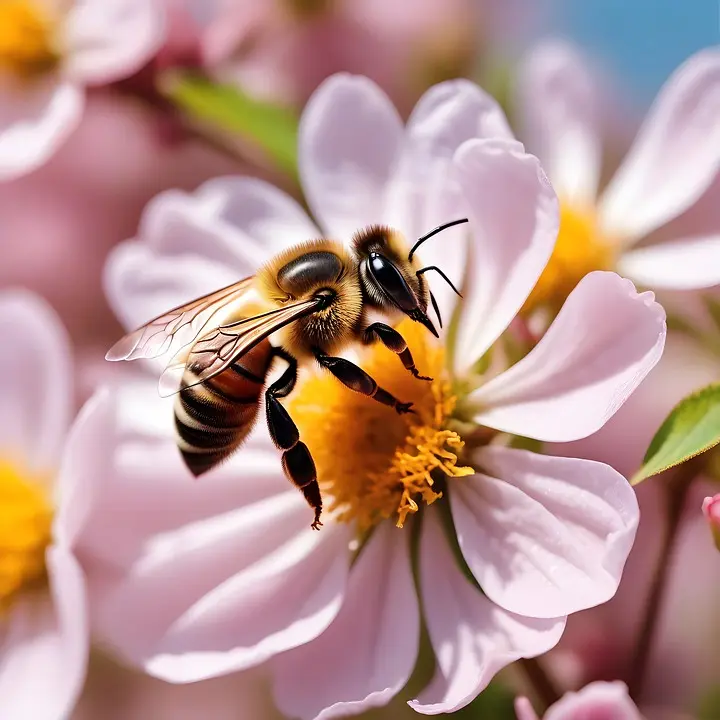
{"x":186,"y":575}
{"x":711,"y":511}
{"x":44,"y":635}
{"x":49,"y":53}
{"x":671,"y":165}
{"x":597,"y":701}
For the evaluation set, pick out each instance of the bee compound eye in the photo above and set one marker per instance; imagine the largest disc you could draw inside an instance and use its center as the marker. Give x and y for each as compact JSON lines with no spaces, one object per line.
{"x":391,"y":282}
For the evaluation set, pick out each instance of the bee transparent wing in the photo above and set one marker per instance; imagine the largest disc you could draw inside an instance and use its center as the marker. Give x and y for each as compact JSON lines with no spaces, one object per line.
{"x":220,"y":347}
{"x":177,"y":327}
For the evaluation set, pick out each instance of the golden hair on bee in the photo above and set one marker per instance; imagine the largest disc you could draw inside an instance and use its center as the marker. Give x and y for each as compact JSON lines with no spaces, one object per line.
{"x":300,"y":272}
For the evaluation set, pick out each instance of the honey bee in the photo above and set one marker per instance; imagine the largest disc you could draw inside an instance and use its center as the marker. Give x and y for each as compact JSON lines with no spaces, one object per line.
{"x":314,"y":299}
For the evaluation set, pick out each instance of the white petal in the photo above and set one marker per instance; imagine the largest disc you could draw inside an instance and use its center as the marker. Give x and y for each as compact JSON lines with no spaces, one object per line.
{"x":36,"y":381}
{"x":110,"y":39}
{"x":368,"y":653}
{"x":558,"y":102}
{"x":423,"y":193}
{"x":605,"y":340}
{"x":43,"y":656}
{"x":514,"y":220}
{"x":544,"y":536}
{"x":34,"y":123}
{"x":350,"y":138}
{"x":472,"y":637}
{"x":687,"y":264}
{"x":675,"y":156}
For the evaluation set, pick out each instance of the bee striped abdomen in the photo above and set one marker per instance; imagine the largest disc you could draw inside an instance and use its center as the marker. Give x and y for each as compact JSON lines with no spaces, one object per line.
{"x":214,"y":417}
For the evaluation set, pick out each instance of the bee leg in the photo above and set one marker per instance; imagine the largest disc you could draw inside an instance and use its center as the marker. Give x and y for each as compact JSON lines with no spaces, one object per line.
{"x":357,"y":379}
{"x":296,"y":459}
{"x":394,"y":341}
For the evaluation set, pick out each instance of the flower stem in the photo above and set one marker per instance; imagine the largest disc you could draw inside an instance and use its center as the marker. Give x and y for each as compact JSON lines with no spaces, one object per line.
{"x":542,"y":684}
{"x":675,"y":493}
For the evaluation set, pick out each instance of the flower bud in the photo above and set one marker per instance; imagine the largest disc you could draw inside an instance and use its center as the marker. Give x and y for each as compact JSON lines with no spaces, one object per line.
{"x":711,"y":511}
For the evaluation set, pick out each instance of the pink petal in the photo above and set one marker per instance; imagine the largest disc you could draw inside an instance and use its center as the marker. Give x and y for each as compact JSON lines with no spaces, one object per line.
{"x":544,"y":536}
{"x":601,"y":700}
{"x":509,"y":198}
{"x":675,"y":156}
{"x":34,"y":123}
{"x":36,"y":381}
{"x":472,"y":637}
{"x":43,"y":654}
{"x":687,"y":264}
{"x":111,"y":39}
{"x":524,"y":709}
{"x":368,"y":653}
{"x":422,"y":193}
{"x":558,"y":100}
{"x":604,"y":341}
{"x":350,"y":137}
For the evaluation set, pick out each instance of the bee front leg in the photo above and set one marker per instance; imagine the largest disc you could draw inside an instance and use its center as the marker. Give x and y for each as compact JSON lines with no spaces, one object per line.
{"x":395,"y":342}
{"x":297,"y":461}
{"x":355,"y":378}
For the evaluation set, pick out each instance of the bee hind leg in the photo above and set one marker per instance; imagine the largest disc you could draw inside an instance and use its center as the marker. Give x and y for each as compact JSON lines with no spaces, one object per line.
{"x":297,"y":461}
{"x":355,"y":378}
{"x":395,"y":342}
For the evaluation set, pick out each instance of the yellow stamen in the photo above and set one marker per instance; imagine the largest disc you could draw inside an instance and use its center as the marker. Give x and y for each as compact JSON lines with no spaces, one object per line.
{"x":372,"y":463}
{"x":27,"y":39}
{"x":25,"y":532}
{"x":579,"y":249}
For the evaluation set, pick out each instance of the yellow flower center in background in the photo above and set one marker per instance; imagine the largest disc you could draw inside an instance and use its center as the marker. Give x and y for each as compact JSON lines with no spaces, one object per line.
{"x":372,"y":463}
{"x":26,"y":39}
{"x":25,"y":532}
{"x":579,"y":249}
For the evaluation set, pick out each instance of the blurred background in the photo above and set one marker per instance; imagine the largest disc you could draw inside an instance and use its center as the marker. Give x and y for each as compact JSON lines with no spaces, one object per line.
{"x":58,"y":223}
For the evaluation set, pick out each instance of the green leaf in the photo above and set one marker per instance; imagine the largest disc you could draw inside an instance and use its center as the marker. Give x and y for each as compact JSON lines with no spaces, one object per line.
{"x":229,"y":110}
{"x":692,"y":427}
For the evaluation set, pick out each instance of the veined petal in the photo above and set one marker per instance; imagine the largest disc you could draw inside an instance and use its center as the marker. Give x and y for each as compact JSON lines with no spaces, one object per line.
{"x":687,"y":264}
{"x":423,"y":193}
{"x":110,"y":39}
{"x":350,"y":139}
{"x":558,"y":103}
{"x":34,"y":123}
{"x":544,"y":536}
{"x":47,"y":640}
{"x":605,"y":340}
{"x":514,"y":218}
{"x":36,"y":381}
{"x":472,"y":637}
{"x":367,"y":654}
{"x":675,"y":156}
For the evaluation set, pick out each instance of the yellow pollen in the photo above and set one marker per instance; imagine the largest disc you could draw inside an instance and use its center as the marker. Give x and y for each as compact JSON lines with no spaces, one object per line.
{"x":26,"y":39}
{"x":25,"y":533}
{"x":372,"y":463}
{"x":579,"y":250}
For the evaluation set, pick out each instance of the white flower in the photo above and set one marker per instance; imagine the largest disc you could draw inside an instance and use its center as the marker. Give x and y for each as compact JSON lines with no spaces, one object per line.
{"x":44,"y":636}
{"x":50,"y":50}
{"x":671,"y":164}
{"x":202,"y":578}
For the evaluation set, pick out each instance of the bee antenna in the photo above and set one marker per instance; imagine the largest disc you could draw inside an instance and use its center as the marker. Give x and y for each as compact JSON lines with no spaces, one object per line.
{"x":438,"y":229}
{"x":436,"y":308}
{"x":442,"y":275}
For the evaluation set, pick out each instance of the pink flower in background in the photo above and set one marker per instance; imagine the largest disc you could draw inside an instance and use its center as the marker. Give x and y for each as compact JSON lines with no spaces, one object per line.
{"x":711,"y":511}
{"x":597,"y":701}
{"x":44,"y":636}
{"x":194,"y":579}
{"x":49,"y":53}
{"x":671,"y":164}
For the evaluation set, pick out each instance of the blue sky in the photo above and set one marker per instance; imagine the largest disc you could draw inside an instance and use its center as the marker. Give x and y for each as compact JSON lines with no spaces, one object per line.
{"x":641,"y":41}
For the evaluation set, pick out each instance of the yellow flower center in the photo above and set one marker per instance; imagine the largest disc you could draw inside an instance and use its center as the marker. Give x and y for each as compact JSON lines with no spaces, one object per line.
{"x":372,"y":463}
{"x":25,"y":532}
{"x":27,"y":39}
{"x":579,"y":249}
